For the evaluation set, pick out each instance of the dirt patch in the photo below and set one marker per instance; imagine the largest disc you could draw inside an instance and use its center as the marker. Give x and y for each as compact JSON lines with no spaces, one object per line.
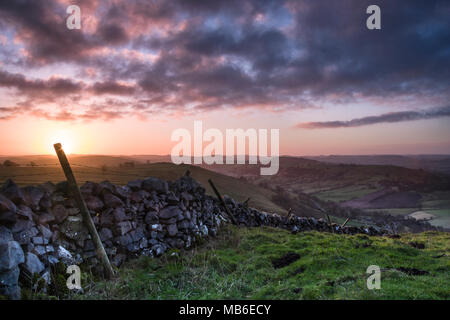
{"x":285,"y":260}
{"x":413,"y":271}
{"x":417,"y":245}
{"x":298,"y":271}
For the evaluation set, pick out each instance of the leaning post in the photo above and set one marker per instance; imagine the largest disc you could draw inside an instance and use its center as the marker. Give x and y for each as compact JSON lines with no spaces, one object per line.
{"x":219,"y":196}
{"x":101,"y":253}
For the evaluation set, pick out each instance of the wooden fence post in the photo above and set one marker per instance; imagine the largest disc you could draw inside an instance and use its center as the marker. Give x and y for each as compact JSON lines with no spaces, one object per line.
{"x":222,"y":201}
{"x":101,"y":253}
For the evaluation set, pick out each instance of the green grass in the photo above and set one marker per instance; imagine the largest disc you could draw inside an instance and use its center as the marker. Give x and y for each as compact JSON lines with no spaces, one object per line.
{"x":345,"y":193}
{"x":237,"y":265}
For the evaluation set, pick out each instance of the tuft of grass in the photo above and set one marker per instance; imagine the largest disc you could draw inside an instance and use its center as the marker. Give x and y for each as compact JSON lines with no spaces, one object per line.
{"x":237,"y":265}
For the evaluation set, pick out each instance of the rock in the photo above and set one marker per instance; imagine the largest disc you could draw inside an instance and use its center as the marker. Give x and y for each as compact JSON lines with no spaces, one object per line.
{"x":33,"y":264}
{"x":9,"y":283}
{"x":105,"y":234}
{"x":111,"y":201}
{"x":119,"y":215}
{"x":5,"y":235}
{"x":172,"y":230}
{"x":46,"y":233}
{"x":13,"y":292}
{"x":155,"y":184}
{"x":32,"y":196}
{"x":124,"y":241}
{"x":39,"y":241}
{"x":46,"y":218}
{"x":151,"y":217}
{"x":93,"y":203}
{"x":170,"y":212}
{"x":11,"y":255}
{"x":7,"y":218}
{"x":43,"y":250}
{"x":135,"y":185}
{"x":118,"y":259}
{"x":122,"y":191}
{"x":7,"y":205}
{"x":45,"y":203}
{"x":123,"y":228}
{"x":74,"y":229}
{"x":88,"y":188}
{"x":65,"y":256}
{"x":12,"y":191}
{"x":158,"y":249}
{"x":48,"y":187}
{"x":62,"y":187}
{"x":25,"y":211}
{"x":60,"y":213}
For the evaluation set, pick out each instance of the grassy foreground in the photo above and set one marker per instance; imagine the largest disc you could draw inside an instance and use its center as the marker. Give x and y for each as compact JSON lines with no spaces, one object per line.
{"x":238,"y":265}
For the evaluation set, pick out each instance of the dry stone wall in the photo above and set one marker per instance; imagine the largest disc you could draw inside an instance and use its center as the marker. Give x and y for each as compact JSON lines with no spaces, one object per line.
{"x":40,"y":226}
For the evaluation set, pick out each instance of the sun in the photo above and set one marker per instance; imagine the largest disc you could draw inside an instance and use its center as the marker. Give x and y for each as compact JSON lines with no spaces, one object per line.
{"x":66,"y":138}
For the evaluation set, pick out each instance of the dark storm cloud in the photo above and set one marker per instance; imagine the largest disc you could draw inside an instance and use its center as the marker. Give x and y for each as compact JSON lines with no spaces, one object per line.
{"x":391,"y":117}
{"x":224,"y":54}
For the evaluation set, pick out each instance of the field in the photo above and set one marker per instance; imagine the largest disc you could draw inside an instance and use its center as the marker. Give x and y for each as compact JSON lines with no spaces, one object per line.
{"x":239,"y":190}
{"x":238,"y":265}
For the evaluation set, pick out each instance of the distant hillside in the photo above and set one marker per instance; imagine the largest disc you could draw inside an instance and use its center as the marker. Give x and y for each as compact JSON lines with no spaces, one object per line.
{"x":439,"y":163}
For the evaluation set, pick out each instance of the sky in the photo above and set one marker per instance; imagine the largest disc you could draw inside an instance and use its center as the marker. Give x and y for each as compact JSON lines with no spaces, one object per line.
{"x":138,"y":70}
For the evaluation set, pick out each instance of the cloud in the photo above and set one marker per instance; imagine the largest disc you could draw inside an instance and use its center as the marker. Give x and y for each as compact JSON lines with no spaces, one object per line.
{"x":192,"y":56}
{"x":391,"y":117}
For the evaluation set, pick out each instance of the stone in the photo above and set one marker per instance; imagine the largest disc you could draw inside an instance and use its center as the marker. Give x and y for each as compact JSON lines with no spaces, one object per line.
{"x":93,"y":203}
{"x":24,"y":237}
{"x":5,"y":235}
{"x":11,"y":255}
{"x":12,"y":191}
{"x":48,"y":187}
{"x":39,"y":241}
{"x":60,"y":213}
{"x":7,"y":218}
{"x":111,"y":201}
{"x":172,"y":230}
{"x":65,"y":256}
{"x":43,"y":250}
{"x":123,"y":228}
{"x":46,"y":218}
{"x":155,"y":184}
{"x":9,"y":283}
{"x":124,"y":240}
{"x":88,"y":188}
{"x":73,"y":228}
{"x":62,"y":187}
{"x":32,"y":196}
{"x":107,"y":217}
{"x":46,"y":233}
{"x":119,"y":215}
{"x":169,"y":212}
{"x":105,"y":234}
{"x":135,"y":185}
{"x":13,"y":292}
{"x":45,"y":203}
{"x":158,"y":249}
{"x":25,"y":211}
{"x":118,"y":259}
{"x":33,"y":264}
{"x":7,"y":205}
{"x":151,"y":217}
{"x":123,"y":191}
